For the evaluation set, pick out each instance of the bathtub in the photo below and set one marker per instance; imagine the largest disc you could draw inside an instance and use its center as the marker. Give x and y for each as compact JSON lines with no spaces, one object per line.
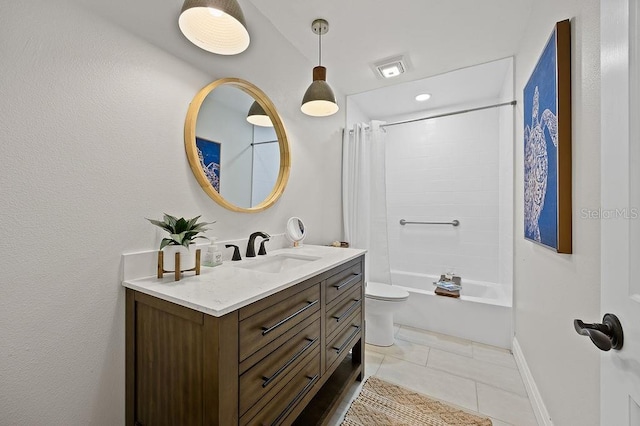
{"x":481,"y":314}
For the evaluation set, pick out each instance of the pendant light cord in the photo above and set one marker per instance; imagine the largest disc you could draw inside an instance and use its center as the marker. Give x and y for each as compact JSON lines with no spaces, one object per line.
{"x":320,"y":48}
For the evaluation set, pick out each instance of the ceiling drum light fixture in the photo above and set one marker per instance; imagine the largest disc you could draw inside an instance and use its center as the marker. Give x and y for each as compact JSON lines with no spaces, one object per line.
{"x":257,"y":116}
{"x":319,"y":100}
{"x":423,"y":97}
{"x":217,"y":26}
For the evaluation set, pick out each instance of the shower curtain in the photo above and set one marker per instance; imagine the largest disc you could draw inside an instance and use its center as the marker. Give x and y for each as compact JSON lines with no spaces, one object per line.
{"x":364,"y":198}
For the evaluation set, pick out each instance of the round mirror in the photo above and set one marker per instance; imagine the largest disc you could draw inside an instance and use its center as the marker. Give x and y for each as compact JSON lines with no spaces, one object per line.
{"x":295,"y":231}
{"x":243,"y":166}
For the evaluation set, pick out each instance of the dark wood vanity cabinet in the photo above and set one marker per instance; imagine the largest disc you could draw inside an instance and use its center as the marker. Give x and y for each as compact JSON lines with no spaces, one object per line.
{"x":288,"y":358}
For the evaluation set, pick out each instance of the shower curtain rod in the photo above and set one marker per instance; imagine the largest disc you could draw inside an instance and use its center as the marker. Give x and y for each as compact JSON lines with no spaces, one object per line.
{"x":464,"y":111}
{"x":262,"y":143}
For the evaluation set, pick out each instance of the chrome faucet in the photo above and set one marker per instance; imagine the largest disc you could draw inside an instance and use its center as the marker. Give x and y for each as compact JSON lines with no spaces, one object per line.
{"x":251,"y":245}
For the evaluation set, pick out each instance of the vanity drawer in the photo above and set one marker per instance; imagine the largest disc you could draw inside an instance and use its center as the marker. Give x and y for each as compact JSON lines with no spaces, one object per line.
{"x":285,"y":401}
{"x":265,"y":326}
{"x":340,"y":311}
{"x":269,"y":373}
{"x":342,"y":282}
{"x":344,"y":338}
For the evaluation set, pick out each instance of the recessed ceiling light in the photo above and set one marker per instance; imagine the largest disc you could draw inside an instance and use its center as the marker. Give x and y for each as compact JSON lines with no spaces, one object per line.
{"x":423,"y":97}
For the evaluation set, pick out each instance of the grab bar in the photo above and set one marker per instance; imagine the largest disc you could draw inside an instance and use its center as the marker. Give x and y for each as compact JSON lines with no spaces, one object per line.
{"x":454,"y":222}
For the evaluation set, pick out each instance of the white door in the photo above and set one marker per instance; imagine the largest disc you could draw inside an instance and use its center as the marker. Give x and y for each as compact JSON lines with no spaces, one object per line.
{"x":620,"y":369}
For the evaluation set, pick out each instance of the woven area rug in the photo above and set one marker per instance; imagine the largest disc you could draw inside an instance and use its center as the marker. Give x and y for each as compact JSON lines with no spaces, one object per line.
{"x":381,"y":403}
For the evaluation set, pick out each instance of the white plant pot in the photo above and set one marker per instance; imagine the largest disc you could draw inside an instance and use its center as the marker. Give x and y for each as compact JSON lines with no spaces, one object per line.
{"x":187,"y":257}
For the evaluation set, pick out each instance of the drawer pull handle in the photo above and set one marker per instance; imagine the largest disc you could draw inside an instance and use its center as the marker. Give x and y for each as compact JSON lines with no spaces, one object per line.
{"x":268,"y":380}
{"x":354,"y":278}
{"x":356,"y":303}
{"x":295,"y":400}
{"x":266,"y":330}
{"x":346,"y":342}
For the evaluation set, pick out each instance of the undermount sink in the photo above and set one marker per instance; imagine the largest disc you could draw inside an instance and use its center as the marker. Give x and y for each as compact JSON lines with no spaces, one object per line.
{"x":276,"y":263}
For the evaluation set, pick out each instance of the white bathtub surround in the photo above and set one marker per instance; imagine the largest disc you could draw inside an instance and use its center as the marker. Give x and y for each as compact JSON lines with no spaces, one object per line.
{"x":455,"y":167}
{"x":481,"y":314}
{"x":441,"y":170}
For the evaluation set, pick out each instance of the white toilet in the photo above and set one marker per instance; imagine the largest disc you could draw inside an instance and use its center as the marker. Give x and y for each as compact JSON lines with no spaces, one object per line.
{"x":381,"y":302}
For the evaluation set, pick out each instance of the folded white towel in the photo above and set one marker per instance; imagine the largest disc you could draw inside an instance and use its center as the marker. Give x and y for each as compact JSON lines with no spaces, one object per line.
{"x":448,"y":285}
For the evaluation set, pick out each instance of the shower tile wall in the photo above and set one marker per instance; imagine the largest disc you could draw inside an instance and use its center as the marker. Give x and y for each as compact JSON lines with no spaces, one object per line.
{"x":440,"y":170}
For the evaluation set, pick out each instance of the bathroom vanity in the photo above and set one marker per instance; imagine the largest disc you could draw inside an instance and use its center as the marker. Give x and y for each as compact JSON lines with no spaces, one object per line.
{"x":275,"y":340}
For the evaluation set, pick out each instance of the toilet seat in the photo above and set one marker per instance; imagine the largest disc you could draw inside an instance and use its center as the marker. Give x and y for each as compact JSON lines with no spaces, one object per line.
{"x":389,"y":293}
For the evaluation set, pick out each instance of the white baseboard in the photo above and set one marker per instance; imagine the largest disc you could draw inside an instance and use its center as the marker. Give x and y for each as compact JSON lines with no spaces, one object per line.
{"x":539,"y":409}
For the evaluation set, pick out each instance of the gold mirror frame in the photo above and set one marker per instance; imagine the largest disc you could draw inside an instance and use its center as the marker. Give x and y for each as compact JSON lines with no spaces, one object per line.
{"x":192,"y":152}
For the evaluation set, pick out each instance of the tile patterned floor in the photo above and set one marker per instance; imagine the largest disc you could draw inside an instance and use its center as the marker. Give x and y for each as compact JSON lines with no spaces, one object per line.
{"x":477,"y":377}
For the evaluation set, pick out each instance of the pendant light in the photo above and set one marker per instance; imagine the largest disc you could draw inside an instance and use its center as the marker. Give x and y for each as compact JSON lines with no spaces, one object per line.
{"x":216,"y":26}
{"x":319,"y":100}
{"x":257,"y":116}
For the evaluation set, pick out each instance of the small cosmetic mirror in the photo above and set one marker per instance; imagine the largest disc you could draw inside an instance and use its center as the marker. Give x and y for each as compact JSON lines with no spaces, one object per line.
{"x":295,"y":231}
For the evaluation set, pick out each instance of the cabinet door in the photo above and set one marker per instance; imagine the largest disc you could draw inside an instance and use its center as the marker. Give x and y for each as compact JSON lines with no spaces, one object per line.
{"x":169,"y":380}
{"x":182,"y":365}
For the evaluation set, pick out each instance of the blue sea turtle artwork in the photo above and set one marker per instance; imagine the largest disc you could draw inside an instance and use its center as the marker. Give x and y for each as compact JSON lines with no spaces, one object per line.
{"x":541,"y":150}
{"x":536,"y":165}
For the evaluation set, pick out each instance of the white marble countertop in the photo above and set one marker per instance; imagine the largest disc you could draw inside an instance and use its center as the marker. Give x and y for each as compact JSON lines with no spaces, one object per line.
{"x":227,"y":287}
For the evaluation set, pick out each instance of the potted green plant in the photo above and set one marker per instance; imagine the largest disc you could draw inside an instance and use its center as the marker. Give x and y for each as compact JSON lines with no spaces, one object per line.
{"x":182,"y":235}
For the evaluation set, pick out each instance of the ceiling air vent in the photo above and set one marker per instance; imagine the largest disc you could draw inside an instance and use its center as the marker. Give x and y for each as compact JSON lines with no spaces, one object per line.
{"x":391,"y":67}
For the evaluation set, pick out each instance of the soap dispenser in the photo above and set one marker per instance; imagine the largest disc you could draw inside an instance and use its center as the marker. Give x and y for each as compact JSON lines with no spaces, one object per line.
{"x":213,"y":256}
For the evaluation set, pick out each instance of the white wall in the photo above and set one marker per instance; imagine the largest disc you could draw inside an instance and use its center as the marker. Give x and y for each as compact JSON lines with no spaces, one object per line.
{"x":552,"y":289}
{"x":354,"y":113}
{"x":440,"y":170}
{"x":91,"y":131}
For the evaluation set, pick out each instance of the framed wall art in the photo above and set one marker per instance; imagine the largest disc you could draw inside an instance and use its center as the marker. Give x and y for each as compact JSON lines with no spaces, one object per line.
{"x":209,"y":155}
{"x":547,"y":145}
